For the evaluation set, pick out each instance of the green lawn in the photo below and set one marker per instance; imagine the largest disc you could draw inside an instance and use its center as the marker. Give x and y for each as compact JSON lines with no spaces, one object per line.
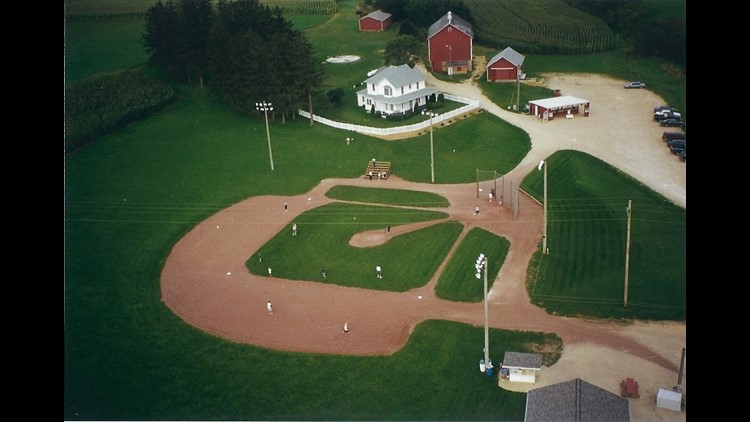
{"x":130,"y":196}
{"x":587,"y":227}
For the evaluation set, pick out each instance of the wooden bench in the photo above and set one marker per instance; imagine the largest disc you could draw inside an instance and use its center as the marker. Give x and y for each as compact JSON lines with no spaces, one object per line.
{"x":381,"y":170}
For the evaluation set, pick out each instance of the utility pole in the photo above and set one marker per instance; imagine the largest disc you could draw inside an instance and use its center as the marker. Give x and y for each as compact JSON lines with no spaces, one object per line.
{"x":627,"y":254}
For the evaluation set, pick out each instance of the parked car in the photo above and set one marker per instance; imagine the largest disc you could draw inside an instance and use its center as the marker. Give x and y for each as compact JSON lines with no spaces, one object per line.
{"x":677,"y":143}
{"x":667,"y":114}
{"x":635,"y":85}
{"x":677,"y":146}
{"x":672,"y":123}
{"x":664,"y":107}
{"x":683,"y":155}
{"x":668,"y":136}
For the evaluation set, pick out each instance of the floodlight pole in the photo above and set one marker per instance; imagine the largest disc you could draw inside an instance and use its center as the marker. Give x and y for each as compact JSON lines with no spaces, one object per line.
{"x":432,"y":150}
{"x":544,"y":234}
{"x":486,"y":318}
{"x":480,"y":265}
{"x":265,"y":107}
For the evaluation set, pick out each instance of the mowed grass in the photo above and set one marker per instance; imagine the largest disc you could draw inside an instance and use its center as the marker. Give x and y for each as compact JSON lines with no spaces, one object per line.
{"x":584,"y":273}
{"x":408,"y":260}
{"x":458,"y":280}
{"x":383,"y":195}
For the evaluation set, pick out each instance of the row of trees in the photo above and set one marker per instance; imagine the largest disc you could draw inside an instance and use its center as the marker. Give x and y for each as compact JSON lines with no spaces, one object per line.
{"x":242,"y":51}
{"x":664,"y":37}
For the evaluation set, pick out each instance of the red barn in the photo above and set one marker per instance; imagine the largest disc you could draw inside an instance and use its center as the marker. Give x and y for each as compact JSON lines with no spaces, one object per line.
{"x":505,"y":66}
{"x":375,"y":21}
{"x":450,"y":45}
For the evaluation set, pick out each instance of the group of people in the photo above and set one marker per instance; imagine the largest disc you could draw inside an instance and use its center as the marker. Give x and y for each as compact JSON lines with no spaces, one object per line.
{"x":380,"y":174}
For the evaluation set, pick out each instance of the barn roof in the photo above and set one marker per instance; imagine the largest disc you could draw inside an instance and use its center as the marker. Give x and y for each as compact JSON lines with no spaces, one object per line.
{"x":450,"y":19}
{"x":398,"y":76}
{"x":559,"y":102}
{"x":575,"y":400}
{"x":509,"y":54}
{"x":377,"y":15}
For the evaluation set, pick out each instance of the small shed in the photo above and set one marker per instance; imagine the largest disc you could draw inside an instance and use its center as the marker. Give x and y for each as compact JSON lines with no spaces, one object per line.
{"x":522,"y":367}
{"x":376,"y":21}
{"x":668,"y":399}
{"x":506,"y":65}
{"x":565,"y":105}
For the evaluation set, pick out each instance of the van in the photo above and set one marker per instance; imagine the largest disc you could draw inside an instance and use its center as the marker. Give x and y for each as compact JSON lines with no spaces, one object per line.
{"x":668,"y":136}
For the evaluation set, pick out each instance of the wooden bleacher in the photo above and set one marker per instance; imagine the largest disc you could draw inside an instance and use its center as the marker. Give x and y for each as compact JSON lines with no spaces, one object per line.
{"x":382,"y":168}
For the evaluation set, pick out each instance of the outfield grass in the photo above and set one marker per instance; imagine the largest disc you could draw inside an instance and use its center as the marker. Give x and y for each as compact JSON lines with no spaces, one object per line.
{"x":586,"y":234}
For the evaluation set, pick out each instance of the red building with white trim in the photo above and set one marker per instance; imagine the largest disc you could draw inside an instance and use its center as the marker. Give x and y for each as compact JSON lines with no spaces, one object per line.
{"x":376,"y":21}
{"x":506,"y":65}
{"x":450,"y":45}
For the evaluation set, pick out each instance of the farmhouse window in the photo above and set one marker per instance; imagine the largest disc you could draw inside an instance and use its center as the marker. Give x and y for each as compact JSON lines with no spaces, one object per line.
{"x":387,"y":91}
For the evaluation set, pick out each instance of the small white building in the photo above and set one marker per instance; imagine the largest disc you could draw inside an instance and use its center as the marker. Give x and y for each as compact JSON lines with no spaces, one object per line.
{"x":548,"y":108}
{"x":395,"y":90}
{"x":522,"y":366}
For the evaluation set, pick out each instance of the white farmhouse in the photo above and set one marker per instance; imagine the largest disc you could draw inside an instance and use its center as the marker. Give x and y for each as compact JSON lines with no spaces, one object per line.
{"x":394,"y":90}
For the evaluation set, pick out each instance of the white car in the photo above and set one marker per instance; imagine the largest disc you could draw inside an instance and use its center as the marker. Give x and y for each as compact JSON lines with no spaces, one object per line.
{"x":635,"y":85}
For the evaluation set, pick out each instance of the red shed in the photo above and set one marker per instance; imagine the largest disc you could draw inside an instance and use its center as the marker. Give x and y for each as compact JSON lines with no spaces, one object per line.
{"x":507,"y":65}
{"x":450,"y":45}
{"x":375,"y":21}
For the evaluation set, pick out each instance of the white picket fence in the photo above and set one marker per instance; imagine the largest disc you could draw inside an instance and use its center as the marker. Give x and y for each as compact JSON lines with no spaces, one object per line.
{"x":471,"y":105}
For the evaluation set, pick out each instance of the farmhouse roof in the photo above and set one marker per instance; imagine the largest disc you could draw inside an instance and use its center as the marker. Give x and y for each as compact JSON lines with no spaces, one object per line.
{"x":509,"y":54}
{"x":398,"y":76}
{"x":575,"y":400}
{"x":522,"y":360}
{"x":377,"y":15}
{"x":564,"y":101}
{"x":421,"y":93}
{"x":450,"y":19}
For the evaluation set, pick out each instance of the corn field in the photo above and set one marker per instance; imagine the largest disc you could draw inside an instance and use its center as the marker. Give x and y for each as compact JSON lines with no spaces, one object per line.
{"x":303,"y":7}
{"x":539,"y":26}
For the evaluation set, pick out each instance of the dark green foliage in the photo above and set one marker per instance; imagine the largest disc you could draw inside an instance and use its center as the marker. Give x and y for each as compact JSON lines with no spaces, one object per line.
{"x":426,"y":12}
{"x":335,"y":96}
{"x":649,"y":34}
{"x":248,"y":51}
{"x":405,"y":49}
{"x":105,"y":103}
{"x":408,"y":28}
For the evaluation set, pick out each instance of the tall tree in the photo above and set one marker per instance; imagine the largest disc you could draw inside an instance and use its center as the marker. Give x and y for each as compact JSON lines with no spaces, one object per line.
{"x":196,"y":17}
{"x":160,"y":36}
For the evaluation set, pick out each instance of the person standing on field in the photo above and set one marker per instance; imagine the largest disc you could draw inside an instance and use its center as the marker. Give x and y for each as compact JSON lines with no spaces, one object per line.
{"x":269,"y":307}
{"x":378,"y":271}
